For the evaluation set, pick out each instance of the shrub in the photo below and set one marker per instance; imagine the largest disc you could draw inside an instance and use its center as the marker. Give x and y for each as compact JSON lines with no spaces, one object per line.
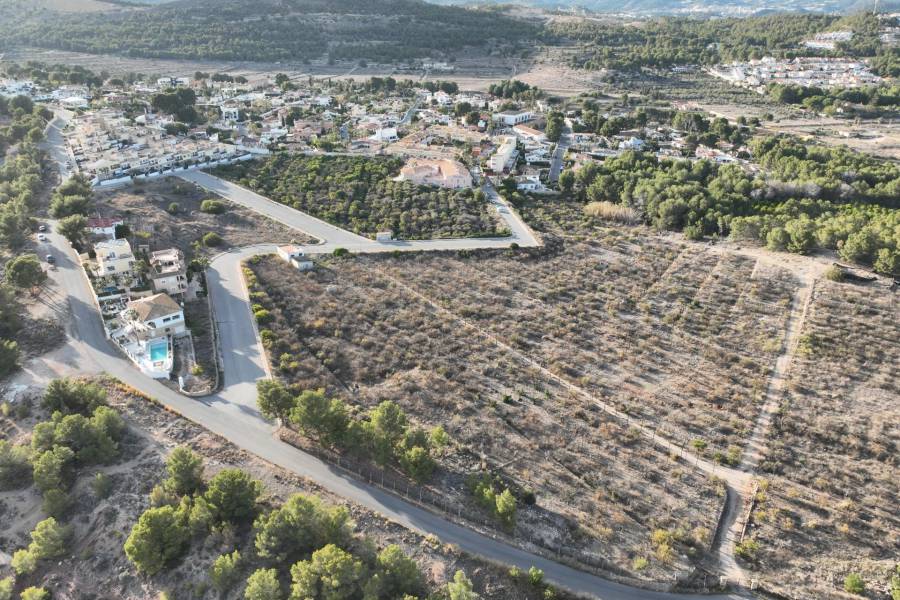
{"x":49,"y":539}
{"x":263,"y":585}
{"x":854,"y":584}
{"x":535,"y":576}
{"x":329,"y":573}
{"x":101,"y":485}
{"x":157,"y":538}
{"x":224,"y":573}
{"x":233,"y":494}
{"x":6,"y":588}
{"x":34,"y":593}
{"x":834,"y":273}
{"x":213,"y":207}
{"x":185,"y":469}
{"x":72,"y":396}
{"x":23,"y":562}
{"x":640,"y":563}
{"x":612,"y":212}
{"x":212,"y":240}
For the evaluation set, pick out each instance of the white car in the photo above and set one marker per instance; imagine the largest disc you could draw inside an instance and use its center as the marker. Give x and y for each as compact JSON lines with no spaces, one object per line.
{"x":42,"y":237}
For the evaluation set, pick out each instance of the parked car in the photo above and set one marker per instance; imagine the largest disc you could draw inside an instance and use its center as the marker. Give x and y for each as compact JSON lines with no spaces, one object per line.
{"x":51,"y":259}
{"x":42,"y":228}
{"x":42,"y":237}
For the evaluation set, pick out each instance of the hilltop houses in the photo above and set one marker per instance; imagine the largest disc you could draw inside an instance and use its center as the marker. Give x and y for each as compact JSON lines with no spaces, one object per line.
{"x":146,"y":330}
{"x":168,"y":272}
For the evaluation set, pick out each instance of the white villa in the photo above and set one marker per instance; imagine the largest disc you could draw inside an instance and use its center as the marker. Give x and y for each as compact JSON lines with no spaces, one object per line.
{"x":168,"y":272}
{"x":512,"y":117}
{"x":114,"y":257}
{"x":147,"y":327}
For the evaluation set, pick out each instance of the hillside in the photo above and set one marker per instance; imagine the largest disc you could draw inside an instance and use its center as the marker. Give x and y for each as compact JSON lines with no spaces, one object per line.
{"x":269,"y":30}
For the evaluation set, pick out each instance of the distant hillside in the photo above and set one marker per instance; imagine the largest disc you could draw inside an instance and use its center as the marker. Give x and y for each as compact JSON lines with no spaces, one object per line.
{"x":265,"y":30}
{"x":694,"y":7}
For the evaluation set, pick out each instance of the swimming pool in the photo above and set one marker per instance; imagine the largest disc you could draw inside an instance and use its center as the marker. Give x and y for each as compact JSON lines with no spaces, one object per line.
{"x":159,"y":350}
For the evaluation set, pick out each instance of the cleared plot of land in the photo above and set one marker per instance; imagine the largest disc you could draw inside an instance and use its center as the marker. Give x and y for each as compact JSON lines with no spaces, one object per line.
{"x":360,"y":195}
{"x":831,"y":506}
{"x":601,"y":490}
{"x":167,"y":214}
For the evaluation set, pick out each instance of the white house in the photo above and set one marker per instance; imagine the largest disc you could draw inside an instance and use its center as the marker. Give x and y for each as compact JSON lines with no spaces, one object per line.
{"x":114,"y":257}
{"x":385,"y":134}
{"x":293,"y":255}
{"x":524,"y":132}
{"x":632,"y":143}
{"x":513,"y":117}
{"x":155,"y":316}
{"x":505,"y":156}
{"x":168,"y":272}
{"x":231,"y":114}
{"x":104,"y":226}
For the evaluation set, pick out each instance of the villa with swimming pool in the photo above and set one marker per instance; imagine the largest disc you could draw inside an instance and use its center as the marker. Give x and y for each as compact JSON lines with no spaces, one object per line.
{"x":146,"y":330}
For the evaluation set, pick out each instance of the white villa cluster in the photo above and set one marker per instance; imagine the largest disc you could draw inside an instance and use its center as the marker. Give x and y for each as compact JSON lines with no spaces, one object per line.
{"x":818,"y":72}
{"x":139,"y":314}
{"x":108,"y":148}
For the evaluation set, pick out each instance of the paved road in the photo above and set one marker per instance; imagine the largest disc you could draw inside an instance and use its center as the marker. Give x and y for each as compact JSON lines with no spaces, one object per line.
{"x":559,"y":155}
{"x":335,"y":237}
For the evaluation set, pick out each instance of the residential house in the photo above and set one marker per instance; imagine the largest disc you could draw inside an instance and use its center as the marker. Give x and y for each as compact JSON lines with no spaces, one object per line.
{"x":294,"y":255}
{"x":105,"y":226}
{"x":505,"y":156}
{"x":168,"y":272}
{"x":114,"y":257}
{"x":443,"y":173}
{"x":526,"y":133}
{"x":155,"y":316}
{"x":510,"y":118}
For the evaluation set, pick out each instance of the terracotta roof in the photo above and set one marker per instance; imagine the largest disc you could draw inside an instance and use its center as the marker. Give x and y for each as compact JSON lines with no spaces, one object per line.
{"x":154,"y":307}
{"x":102,"y":222}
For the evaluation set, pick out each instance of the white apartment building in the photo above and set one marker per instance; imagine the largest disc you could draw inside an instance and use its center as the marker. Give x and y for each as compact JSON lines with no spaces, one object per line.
{"x":505,"y":156}
{"x":512,"y":117}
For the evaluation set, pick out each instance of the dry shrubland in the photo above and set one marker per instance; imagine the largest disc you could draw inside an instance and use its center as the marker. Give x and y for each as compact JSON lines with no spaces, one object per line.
{"x":834,"y":447}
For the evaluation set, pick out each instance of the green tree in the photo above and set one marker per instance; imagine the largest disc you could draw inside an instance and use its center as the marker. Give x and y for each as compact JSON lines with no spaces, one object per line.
{"x":15,"y":465}
{"x":567,"y":181}
{"x":263,"y":585}
{"x":156,"y":539}
{"x":396,"y":576}
{"x":461,"y":588}
{"x":50,"y":539}
{"x":34,"y":593}
{"x":331,"y":574}
{"x":53,"y":469}
{"x":388,"y":424}
{"x":854,"y":584}
{"x":73,"y":229}
{"x":9,"y":357}
{"x":233,"y":494}
{"x":224,"y":573}
{"x":319,"y":417}
{"x":274,"y":399}
{"x":185,"y":469}
{"x":417,"y":463}
{"x":301,"y":525}
{"x":10,"y":312}
{"x":25,"y":272}
{"x":506,"y":507}
{"x":213,"y":207}
{"x":6,"y":588}
{"x":72,"y":396}
{"x":24,"y":562}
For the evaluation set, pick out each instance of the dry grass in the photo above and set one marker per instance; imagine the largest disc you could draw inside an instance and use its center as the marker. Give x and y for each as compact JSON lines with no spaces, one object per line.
{"x":835,"y":446}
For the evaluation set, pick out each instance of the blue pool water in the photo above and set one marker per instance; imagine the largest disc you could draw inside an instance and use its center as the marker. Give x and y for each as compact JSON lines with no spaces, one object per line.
{"x":159,"y":350}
